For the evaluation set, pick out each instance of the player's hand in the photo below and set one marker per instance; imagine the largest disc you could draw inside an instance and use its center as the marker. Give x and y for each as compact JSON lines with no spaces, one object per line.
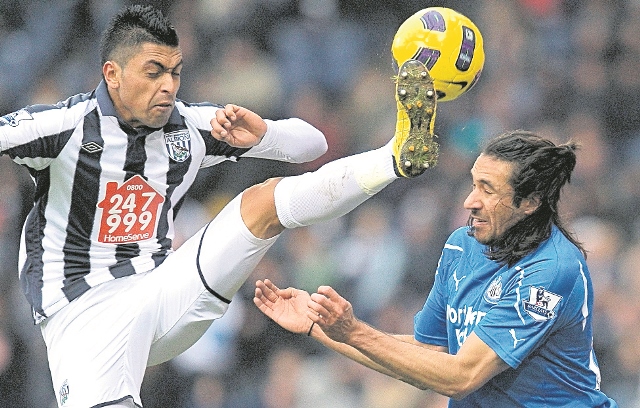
{"x":238,"y":126}
{"x":333,"y":313}
{"x":287,"y":307}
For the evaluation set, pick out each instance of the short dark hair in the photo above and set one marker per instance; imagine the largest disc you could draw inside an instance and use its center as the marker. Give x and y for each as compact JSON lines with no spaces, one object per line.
{"x":133,"y":26}
{"x":540,"y":170}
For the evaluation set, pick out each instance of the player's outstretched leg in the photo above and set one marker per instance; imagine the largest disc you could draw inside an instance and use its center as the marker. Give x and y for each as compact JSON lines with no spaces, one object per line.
{"x":415,"y":149}
{"x":340,"y":186}
{"x":263,"y":211}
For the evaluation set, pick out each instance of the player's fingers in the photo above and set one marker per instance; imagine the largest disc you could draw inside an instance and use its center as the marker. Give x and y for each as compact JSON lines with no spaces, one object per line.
{"x":314,"y":316}
{"x":268,"y":291}
{"x":286,"y":293}
{"x":218,"y":125}
{"x":259,"y":293}
{"x":260,"y":287}
{"x":257,"y":302}
{"x":222,"y":116}
{"x":260,"y":301}
{"x":230,"y":111}
{"x":271,"y":285}
{"x":318,"y":317}
{"x":257,"y":296}
{"x":335,"y":305}
{"x":321,"y":306}
{"x":329,"y":292}
{"x":264,"y":307}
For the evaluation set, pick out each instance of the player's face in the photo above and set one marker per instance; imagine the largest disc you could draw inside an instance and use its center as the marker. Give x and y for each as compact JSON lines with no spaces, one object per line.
{"x":144,"y":89}
{"x":491,"y":200}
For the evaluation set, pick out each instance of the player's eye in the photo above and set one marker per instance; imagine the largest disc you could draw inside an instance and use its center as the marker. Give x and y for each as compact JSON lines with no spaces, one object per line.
{"x":483,"y":188}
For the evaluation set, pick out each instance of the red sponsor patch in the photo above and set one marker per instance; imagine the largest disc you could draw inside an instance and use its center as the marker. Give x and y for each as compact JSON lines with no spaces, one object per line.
{"x":129,"y":211}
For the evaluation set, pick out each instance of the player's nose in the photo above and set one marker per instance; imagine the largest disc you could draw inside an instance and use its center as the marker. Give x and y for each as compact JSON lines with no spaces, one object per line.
{"x":170,"y":84}
{"x":472,"y":202}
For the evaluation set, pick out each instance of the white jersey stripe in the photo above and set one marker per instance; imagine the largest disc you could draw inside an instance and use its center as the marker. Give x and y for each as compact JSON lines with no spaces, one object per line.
{"x":83,"y":198}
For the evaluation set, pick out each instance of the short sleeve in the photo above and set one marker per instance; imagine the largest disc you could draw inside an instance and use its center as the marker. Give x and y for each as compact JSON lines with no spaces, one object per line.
{"x":540,"y":300}
{"x":430,"y":323}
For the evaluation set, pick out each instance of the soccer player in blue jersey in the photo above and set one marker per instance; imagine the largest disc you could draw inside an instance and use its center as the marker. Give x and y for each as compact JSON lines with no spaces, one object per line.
{"x":111,"y":168}
{"x":508,"y":322}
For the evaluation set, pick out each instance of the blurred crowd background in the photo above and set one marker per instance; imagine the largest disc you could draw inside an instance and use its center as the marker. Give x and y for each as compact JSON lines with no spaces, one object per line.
{"x":562,"y":68}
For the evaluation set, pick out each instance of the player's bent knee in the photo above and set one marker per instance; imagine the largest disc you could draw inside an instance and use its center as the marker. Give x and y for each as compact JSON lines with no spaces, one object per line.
{"x":258,"y":209}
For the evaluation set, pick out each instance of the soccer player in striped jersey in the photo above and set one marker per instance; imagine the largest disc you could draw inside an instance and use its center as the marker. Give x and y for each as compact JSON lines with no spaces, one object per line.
{"x":508,"y":322}
{"x":111,"y":168}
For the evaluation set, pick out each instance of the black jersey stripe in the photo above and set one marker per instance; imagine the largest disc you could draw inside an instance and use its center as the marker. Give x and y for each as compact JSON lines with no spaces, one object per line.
{"x":84,"y":200}
{"x":175,"y":177}
{"x":32,"y":271}
{"x":45,"y":147}
{"x":134,"y":164}
{"x":215,"y":147}
{"x":123,"y":267}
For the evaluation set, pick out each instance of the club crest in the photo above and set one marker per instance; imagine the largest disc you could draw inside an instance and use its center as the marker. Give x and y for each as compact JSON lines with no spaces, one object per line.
{"x":541,"y":304}
{"x":494,"y":292}
{"x":178,"y":145}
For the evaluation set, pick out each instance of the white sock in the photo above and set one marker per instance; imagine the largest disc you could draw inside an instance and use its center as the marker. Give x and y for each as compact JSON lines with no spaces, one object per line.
{"x":334,"y":189}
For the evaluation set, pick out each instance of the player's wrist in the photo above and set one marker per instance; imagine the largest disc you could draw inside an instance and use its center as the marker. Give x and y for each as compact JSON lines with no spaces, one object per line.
{"x":311,"y":329}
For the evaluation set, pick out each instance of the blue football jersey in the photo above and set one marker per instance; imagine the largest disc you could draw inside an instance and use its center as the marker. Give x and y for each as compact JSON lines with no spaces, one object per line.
{"x":536,"y":315}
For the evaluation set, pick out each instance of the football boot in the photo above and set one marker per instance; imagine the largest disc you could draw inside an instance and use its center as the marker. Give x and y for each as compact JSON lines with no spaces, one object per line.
{"x":414,"y":147}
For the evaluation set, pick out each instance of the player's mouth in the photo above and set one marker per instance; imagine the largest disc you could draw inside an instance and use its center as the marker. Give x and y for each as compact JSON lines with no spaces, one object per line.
{"x":478,"y":222}
{"x":478,"y":228}
{"x":164,"y":106}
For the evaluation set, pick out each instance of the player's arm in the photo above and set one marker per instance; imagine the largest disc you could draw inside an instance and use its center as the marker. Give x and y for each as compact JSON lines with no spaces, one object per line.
{"x":288,"y":307}
{"x":455,"y":376}
{"x":361,"y":358}
{"x":22,"y":132}
{"x":291,"y":140}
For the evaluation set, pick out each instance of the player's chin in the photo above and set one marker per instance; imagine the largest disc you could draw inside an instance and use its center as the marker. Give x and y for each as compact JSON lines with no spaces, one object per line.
{"x":481,"y":236}
{"x":157,"y":120}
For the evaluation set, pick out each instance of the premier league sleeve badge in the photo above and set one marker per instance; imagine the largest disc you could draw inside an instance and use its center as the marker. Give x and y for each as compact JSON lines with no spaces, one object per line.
{"x":541,"y":304}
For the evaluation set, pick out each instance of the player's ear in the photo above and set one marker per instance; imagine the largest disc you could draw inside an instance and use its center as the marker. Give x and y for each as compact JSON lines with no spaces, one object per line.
{"x":111,"y":73}
{"x":530,"y":204}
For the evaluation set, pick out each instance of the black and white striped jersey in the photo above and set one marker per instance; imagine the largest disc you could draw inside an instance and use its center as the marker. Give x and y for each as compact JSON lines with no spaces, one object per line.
{"x":106,"y":194}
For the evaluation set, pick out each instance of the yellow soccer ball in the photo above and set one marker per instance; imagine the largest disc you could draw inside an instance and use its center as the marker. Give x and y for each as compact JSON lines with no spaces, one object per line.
{"x":448,"y":43}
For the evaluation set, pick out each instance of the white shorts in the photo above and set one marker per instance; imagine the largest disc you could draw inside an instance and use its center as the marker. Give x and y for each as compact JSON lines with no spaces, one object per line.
{"x":100,"y":344}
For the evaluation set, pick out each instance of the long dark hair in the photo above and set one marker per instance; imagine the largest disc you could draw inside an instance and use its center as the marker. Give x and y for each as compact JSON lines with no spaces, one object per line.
{"x":540,"y":170}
